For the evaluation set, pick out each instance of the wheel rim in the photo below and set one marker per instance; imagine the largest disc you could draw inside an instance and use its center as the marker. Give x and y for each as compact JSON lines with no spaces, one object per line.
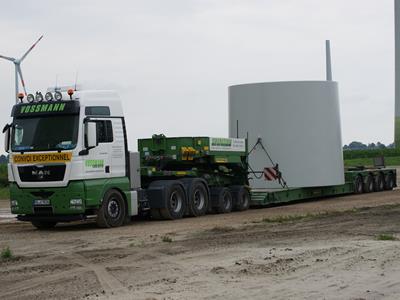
{"x":359,"y":186}
{"x":227,"y":201}
{"x":176,"y":201}
{"x":113,"y":208}
{"x":199,"y":200}
{"x":245,"y":200}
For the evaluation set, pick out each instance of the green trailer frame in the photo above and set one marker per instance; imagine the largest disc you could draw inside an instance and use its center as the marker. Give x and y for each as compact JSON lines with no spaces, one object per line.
{"x":268,"y":197}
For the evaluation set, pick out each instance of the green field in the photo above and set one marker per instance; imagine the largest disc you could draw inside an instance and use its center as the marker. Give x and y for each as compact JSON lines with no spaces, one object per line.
{"x":4,"y":193}
{"x":354,"y":158}
{"x":389,"y":161}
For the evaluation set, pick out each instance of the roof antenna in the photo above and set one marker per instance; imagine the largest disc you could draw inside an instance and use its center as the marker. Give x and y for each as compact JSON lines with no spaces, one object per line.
{"x":17,"y":63}
{"x":56,"y":88}
{"x":328,"y":60}
{"x":76,"y":79}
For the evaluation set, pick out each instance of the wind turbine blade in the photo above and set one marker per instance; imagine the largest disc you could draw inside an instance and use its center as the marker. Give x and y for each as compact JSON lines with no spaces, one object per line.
{"x":22,"y":79}
{"x":8,"y":58}
{"x":30,"y":49}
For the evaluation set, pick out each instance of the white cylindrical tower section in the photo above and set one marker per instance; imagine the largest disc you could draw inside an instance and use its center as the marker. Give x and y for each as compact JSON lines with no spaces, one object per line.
{"x":299,"y":124}
{"x":397,"y":72}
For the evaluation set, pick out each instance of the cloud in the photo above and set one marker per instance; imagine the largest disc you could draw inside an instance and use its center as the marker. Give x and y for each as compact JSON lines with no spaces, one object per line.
{"x":172,"y":61}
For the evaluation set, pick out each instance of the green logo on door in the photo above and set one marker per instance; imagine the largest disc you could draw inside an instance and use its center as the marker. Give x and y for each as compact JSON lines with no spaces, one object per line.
{"x":94,"y":163}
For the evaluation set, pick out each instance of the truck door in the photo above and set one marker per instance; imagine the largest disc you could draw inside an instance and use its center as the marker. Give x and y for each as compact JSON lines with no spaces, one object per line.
{"x":98,"y":162}
{"x":117,"y":148}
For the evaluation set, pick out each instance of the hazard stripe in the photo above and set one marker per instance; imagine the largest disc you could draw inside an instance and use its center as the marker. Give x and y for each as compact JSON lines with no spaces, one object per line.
{"x":270,"y":174}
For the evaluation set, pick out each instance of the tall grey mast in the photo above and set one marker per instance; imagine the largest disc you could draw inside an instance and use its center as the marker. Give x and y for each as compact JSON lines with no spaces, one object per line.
{"x":328,"y":60}
{"x":397,"y":73}
{"x":17,"y":63}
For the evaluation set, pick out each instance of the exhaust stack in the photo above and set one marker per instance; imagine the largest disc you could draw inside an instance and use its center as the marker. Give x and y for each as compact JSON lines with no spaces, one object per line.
{"x":328,"y":60}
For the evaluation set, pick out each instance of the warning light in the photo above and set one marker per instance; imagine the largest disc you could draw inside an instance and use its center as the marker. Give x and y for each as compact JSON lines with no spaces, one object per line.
{"x":70,"y":93}
{"x":21,"y":96}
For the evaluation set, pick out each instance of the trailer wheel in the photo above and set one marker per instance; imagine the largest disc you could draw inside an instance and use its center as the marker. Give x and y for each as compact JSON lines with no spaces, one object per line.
{"x":198,"y":198}
{"x":112,"y":212}
{"x":369,"y":185}
{"x":358,"y":185}
{"x":43,"y":224}
{"x":241,"y":198}
{"x":379,"y":182}
{"x":223,"y":201}
{"x":389,"y":181}
{"x":175,"y":202}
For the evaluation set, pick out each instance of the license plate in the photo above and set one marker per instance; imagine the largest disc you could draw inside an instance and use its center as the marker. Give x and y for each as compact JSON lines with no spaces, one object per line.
{"x":41,"y":202}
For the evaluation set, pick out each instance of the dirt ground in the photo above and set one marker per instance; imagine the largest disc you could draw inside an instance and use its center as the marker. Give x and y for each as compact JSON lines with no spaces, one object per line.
{"x":269,"y":253}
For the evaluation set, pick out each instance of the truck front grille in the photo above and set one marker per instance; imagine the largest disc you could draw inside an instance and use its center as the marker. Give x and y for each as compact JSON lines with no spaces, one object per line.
{"x":42,"y":173}
{"x":43,"y":210}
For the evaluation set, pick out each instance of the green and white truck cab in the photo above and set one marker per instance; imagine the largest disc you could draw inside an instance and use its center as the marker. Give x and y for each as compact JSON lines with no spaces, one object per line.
{"x":69,"y":156}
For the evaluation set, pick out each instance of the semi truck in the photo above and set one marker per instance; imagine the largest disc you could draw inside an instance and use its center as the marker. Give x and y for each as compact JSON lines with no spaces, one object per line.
{"x":69,"y":160}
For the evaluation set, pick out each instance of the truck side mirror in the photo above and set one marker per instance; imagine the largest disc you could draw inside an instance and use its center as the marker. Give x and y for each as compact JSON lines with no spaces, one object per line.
{"x":91,"y":135}
{"x":6,"y":132}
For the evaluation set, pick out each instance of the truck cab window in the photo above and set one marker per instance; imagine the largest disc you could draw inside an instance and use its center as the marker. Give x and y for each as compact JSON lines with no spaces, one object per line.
{"x":104,"y":131}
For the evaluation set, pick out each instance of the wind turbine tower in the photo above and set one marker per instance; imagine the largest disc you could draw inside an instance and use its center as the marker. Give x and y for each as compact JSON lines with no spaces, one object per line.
{"x":397,"y":73}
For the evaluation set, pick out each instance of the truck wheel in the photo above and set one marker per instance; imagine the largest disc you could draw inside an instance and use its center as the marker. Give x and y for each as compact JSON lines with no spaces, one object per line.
{"x":198,"y":199}
{"x":379,"y":182}
{"x":358,"y":185}
{"x":175,"y":202}
{"x":241,"y":198}
{"x":369,"y":185}
{"x":112,"y":212}
{"x":389,"y":181}
{"x":223,"y":201}
{"x":43,"y":224}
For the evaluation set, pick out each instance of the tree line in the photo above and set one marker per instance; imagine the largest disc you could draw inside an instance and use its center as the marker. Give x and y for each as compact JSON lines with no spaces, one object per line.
{"x":371,"y":146}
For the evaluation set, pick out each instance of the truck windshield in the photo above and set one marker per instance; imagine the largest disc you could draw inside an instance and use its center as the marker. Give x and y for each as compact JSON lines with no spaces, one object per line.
{"x":45,"y":133}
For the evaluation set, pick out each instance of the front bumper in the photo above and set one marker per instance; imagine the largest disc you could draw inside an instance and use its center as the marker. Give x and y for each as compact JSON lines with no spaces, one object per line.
{"x":53,"y":218}
{"x":59,"y":200}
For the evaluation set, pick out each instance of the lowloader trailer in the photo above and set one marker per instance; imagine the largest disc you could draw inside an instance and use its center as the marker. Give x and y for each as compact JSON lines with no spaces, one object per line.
{"x":69,"y":161}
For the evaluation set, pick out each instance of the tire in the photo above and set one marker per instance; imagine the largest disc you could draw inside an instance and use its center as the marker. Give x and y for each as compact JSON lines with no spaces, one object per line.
{"x":223,"y":201}
{"x":369,"y":184}
{"x":175,"y":201}
{"x":379,"y":182}
{"x":113,"y":211}
{"x":241,"y":198}
{"x":43,"y":224}
{"x":198,"y":198}
{"x":358,"y":185}
{"x":389,"y":181}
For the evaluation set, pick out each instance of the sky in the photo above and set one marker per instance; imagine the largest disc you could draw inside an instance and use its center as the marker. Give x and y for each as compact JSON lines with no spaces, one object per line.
{"x":172,"y":61}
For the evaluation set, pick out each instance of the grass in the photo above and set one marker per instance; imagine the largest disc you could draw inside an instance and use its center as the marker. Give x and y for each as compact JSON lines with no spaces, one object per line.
{"x":6,"y":253}
{"x":221,"y":229}
{"x":389,"y":161}
{"x":386,"y":237}
{"x":308,"y":216}
{"x":137,"y":244}
{"x":166,"y":239}
{"x":4,"y":193}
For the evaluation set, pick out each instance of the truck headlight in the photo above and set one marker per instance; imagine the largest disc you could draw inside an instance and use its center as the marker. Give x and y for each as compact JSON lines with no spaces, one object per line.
{"x":14,"y":203}
{"x":75,"y":202}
